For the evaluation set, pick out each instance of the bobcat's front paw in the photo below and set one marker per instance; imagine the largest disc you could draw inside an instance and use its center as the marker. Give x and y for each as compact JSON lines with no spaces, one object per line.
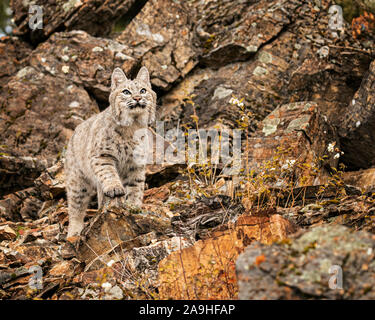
{"x":113,"y":192}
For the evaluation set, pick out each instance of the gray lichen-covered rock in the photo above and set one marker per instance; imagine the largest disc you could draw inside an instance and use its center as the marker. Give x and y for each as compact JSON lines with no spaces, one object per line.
{"x":310,"y":266}
{"x":161,"y":37}
{"x":83,"y":59}
{"x":290,"y":67}
{"x":230,"y":31}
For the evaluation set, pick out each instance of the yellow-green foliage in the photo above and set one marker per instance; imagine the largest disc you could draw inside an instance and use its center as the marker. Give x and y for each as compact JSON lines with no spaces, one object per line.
{"x":350,"y":9}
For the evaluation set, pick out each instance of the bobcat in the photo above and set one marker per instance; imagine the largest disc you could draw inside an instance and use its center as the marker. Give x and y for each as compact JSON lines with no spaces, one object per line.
{"x":99,"y":157}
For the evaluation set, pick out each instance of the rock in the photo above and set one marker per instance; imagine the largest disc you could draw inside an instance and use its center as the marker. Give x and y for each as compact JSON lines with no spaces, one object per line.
{"x":307,"y":267}
{"x":7,"y":233}
{"x":198,"y":219}
{"x":157,"y":195}
{"x":6,"y":277}
{"x":118,"y":228}
{"x":291,"y":198}
{"x":28,"y":236}
{"x":63,"y":268}
{"x":206,"y":270}
{"x":13,"y":52}
{"x":51,"y":232}
{"x":356,"y":129}
{"x":160,"y":38}
{"x":37,"y":113}
{"x":39,"y":250}
{"x":305,"y":132}
{"x":147,"y":258}
{"x":354,"y":211}
{"x":285,"y":69}
{"x":85,"y":60}
{"x":95,"y":17}
{"x":275,"y":62}
{"x":363,"y":179}
{"x":95,"y":276}
{"x":114,"y":293}
{"x":103,"y":284}
{"x":142,"y":263}
{"x":234,"y":31}
{"x":368,"y":5}
{"x":21,"y":206}
{"x":50,"y":183}
{"x":17,"y":173}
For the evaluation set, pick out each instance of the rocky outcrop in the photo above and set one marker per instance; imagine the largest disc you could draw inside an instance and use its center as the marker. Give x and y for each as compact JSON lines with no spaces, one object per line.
{"x":84,"y":60}
{"x":95,"y":17}
{"x":19,"y":172}
{"x":274,"y":69}
{"x":299,"y":64}
{"x":305,"y":132}
{"x":326,"y":262}
{"x":362,"y":179}
{"x":13,"y":52}
{"x":356,"y":131}
{"x":39,"y":113}
{"x":355,"y":211}
{"x":125,"y":229}
{"x":160,"y":36}
{"x":230,"y":31}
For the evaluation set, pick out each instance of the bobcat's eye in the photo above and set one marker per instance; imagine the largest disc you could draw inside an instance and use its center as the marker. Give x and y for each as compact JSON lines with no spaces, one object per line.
{"x":126,"y":91}
{"x":143,"y":90}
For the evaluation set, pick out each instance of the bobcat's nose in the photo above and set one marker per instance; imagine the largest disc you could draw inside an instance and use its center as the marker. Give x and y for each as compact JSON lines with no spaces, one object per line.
{"x":137,"y":98}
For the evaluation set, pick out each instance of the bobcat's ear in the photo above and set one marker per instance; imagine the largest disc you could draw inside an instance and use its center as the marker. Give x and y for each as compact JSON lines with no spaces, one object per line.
{"x":144,"y":76}
{"x":118,"y":76}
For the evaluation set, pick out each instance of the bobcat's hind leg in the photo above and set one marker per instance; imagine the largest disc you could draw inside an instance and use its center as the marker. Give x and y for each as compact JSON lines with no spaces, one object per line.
{"x":79,"y":195}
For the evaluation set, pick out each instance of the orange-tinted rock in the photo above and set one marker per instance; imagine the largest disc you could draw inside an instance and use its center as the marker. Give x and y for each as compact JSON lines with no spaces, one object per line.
{"x":63,"y":268}
{"x":207,"y":269}
{"x":157,"y":195}
{"x":94,"y":277}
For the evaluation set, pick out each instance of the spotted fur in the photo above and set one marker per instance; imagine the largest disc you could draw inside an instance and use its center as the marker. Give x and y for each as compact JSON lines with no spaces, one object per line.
{"x":99,"y":157}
